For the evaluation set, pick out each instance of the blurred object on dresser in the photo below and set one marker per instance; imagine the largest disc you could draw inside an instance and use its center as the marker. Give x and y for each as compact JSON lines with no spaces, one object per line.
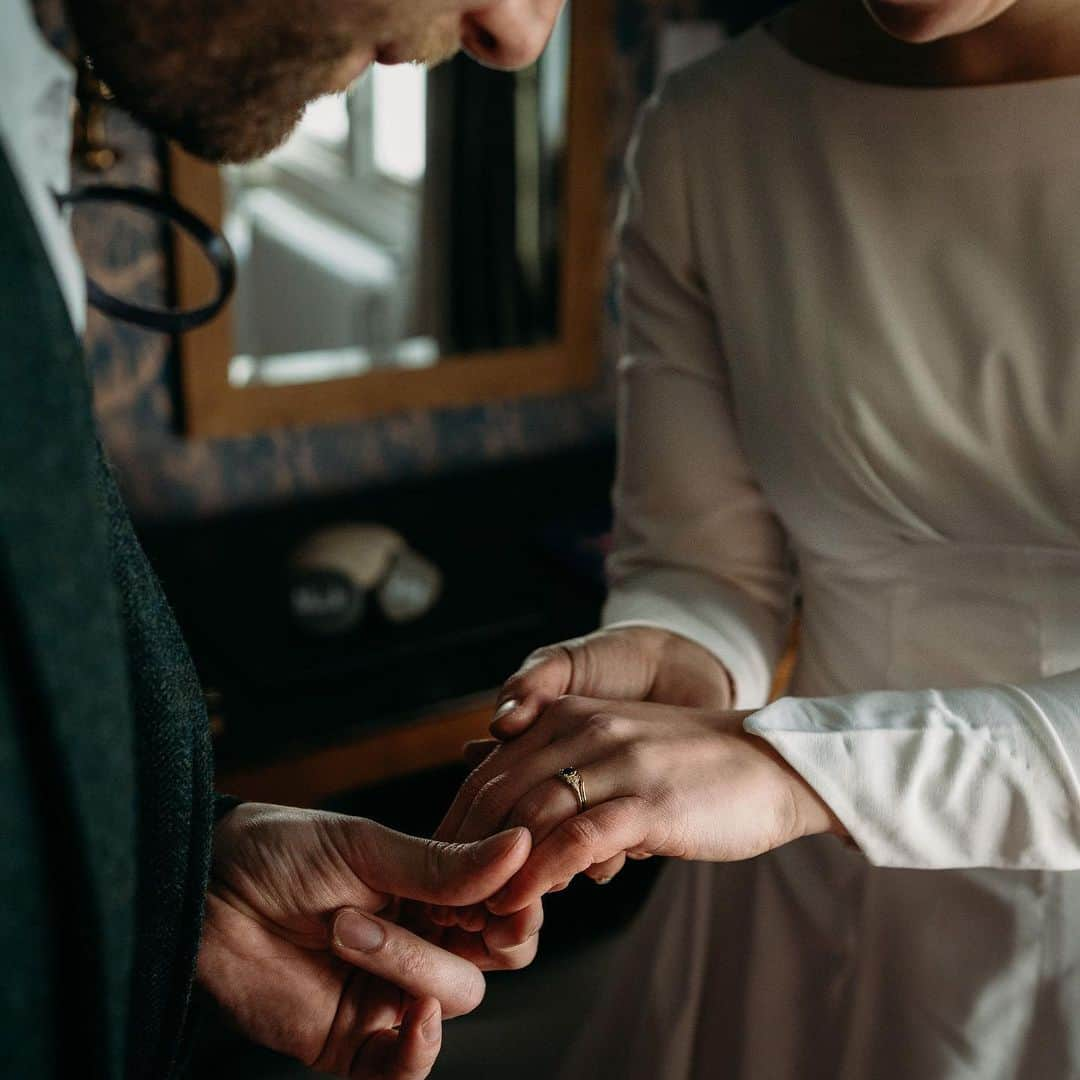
{"x":302,"y":718}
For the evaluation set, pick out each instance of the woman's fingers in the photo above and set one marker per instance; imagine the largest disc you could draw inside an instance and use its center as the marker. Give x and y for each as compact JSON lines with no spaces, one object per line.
{"x":564,"y":716}
{"x":405,"y":960}
{"x":603,"y":872}
{"x":550,"y":803}
{"x":629,"y":663}
{"x":602,"y":833}
{"x":500,"y":759}
{"x":530,"y":791}
{"x":500,"y":943}
{"x":546,"y":807}
{"x":506,"y":935}
{"x":616,"y":665}
{"x":507,"y":943}
{"x":546,"y":675}
{"x":472,"y":917}
{"x":476,"y":751}
{"x":407,"y":1054}
{"x":501,"y":795}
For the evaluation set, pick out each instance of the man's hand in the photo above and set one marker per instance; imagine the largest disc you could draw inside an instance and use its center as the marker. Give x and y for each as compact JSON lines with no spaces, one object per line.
{"x":687,"y":783}
{"x":303,"y":950}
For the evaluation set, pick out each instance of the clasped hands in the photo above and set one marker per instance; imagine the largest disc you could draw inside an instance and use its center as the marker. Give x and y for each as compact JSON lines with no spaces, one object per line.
{"x":645,"y":718}
{"x":314,"y":944}
{"x":344,"y":944}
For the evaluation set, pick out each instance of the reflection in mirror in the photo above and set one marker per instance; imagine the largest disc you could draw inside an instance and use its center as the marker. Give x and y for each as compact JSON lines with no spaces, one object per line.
{"x":417,"y":218}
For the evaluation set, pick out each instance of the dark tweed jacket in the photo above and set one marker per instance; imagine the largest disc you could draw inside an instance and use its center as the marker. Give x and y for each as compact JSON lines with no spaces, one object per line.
{"x":105,"y":774}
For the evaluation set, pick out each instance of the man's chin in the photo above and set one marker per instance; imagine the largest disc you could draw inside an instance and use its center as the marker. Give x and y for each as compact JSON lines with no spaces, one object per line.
{"x":432,"y":56}
{"x":349,"y":70}
{"x":231,"y":144}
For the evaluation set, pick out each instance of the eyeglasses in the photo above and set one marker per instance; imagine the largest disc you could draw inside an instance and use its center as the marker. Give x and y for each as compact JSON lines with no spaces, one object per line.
{"x":212,"y":243}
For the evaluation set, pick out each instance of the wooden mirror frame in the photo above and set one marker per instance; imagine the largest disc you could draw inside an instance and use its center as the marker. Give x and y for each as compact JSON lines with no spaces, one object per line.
{"x":213,"y":408}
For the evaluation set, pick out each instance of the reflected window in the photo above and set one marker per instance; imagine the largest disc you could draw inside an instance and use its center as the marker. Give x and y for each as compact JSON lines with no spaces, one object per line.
{"x":375,"y":133}
{"x":399,"y":113}
{"x":327,"y":122}
{"x":418,"y":216}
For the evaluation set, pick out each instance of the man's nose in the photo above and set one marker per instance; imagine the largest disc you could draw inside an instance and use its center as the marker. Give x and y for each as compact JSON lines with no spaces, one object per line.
{"x":509,"y":34}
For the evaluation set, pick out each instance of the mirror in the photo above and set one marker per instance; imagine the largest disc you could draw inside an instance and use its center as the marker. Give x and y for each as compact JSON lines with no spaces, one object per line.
{"x":433,"y":238}
{"x":414,"y":219}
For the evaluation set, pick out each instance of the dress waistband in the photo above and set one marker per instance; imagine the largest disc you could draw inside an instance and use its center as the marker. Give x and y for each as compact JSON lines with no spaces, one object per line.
{"x":939,"y":615}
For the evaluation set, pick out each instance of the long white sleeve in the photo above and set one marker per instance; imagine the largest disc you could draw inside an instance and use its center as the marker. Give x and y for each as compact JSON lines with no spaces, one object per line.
{"x":932,"y":779}
{"x":921,"y":778}
{"x":697,"y":550}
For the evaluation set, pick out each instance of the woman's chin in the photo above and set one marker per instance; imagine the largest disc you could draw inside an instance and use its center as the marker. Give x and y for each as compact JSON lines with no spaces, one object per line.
{"x":914,"y":23}
{"x":919,"y":22}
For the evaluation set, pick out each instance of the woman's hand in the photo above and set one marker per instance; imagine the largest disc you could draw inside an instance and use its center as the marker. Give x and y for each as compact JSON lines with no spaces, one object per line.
{"x":633,"y":663}
{"x":304,"y":948}
{"x":630,"y":663}
{"x":688,"y":783}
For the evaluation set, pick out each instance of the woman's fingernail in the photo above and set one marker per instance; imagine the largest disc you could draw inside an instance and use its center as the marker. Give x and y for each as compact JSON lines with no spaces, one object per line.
{"x":495,"y":847}
{"x":474,"y":921}
{"x":354,"y":930}
{"x":504,"y":710}
{"x":602,"y":880}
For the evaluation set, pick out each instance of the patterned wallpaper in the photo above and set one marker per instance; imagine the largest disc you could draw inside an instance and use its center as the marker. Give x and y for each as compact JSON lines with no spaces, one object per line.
{"x":167,"y":476}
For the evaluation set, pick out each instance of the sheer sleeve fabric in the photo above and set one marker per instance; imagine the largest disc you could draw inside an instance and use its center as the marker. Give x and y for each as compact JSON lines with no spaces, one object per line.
{"x":986,"y":776}
{"x":697,"y":550}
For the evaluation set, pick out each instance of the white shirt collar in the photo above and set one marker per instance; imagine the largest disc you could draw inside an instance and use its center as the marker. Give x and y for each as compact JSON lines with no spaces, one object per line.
{"x":37,"y":86}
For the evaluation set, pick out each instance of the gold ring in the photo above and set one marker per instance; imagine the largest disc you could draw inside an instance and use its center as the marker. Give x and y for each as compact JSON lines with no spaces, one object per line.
{"x":572,"y":778}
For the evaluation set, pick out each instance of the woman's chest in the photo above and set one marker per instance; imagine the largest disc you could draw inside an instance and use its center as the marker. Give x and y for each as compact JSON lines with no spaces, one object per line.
{"x":905,"y":351}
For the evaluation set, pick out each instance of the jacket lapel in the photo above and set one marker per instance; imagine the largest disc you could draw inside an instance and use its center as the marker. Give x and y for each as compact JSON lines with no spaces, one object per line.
{"x":56,"y":574}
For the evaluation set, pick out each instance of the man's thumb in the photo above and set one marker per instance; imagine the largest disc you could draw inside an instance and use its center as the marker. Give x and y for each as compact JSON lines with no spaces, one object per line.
{"x":440,"y":873}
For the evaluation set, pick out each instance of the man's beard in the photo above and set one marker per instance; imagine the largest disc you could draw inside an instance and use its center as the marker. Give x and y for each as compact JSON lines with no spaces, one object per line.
{"x":229,"y":79}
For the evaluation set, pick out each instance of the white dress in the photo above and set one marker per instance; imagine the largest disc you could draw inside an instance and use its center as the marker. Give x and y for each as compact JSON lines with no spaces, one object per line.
{"x":853,"y":368}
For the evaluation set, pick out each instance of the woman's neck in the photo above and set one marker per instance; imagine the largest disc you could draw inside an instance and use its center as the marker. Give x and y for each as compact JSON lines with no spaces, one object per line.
{"x":1034,"y":39}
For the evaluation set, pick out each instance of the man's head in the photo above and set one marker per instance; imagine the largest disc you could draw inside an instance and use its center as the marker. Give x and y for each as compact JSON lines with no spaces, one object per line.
{"x":229,"y":79}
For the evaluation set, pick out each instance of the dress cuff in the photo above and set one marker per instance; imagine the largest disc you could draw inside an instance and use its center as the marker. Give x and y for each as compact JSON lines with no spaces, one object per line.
{"x":744,"y":636}
{"x":932,"y":780}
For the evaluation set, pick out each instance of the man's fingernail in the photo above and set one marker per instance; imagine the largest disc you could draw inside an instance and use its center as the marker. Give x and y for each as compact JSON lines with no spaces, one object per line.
{"x":354,"y":930}
{"x":602,"y":880}
{"x":505,"y":709}
{"x":495,"y":847}
{"x":432,"y":1027}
